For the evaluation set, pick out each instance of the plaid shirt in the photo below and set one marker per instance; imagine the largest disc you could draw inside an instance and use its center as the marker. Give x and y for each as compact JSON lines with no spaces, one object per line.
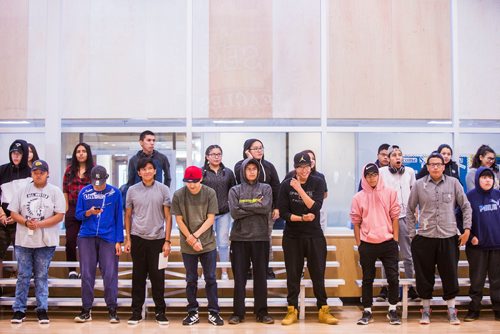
{"x":72,"y":186}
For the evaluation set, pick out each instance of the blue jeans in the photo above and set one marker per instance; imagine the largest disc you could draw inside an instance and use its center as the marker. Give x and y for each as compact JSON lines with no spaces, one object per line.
{"x":31,"y":260}
{"x":222,"y":226}
{"x":208,"y":263}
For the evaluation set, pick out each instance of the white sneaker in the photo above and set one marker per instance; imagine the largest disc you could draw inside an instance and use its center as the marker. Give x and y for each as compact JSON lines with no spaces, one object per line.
{"x":224,"y":276}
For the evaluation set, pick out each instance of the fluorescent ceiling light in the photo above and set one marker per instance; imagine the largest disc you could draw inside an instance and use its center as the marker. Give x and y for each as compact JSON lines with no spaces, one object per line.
{"x":440,"y":122}
{"x":14,"y":122}
{"x":229,"y":122}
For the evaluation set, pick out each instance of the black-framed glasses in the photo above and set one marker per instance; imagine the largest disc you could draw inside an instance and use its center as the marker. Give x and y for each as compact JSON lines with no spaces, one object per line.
{"x":215,"y":155}
{"x":256,"y":148}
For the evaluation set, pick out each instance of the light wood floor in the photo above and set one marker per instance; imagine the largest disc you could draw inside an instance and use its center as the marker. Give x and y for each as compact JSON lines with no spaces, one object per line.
{"x":62,"y":323}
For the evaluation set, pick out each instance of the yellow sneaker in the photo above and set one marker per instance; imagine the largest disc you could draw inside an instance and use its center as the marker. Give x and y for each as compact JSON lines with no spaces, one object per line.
{"x":325,"y":317}
{"x":291,"y":317}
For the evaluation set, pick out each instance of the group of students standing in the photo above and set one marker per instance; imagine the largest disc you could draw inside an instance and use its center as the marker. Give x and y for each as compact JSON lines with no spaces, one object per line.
{"x":383,"y":214}
{"x":423,"y":220}
{"x":94,"y":224}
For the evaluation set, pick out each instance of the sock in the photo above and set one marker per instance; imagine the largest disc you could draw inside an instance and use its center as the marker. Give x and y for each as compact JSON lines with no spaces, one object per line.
{"x":426,"y":304}
{"x":451,"y":302}
{"x":368,"y":309}
{"x":392,"y":307}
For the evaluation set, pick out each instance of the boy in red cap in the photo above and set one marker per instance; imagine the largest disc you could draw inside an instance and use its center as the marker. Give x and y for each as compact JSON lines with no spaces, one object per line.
{"x":195,"y":207}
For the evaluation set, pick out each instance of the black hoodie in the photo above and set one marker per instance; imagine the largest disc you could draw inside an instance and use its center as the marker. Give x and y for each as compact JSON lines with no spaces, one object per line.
{"x":12,"y":177}
{"x":267,"y":173}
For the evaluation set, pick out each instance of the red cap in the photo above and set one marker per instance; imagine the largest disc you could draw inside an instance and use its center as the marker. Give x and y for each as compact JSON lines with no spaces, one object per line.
{"x":192,"y":174}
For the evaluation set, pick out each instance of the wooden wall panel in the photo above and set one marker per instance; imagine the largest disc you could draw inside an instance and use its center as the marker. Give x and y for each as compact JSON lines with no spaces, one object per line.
{"x":360,"y":64}
{"x":390,"y":59}
{"x":296,"y":59}
{"x":13,"y":58}
{"x":124,"y":59}
{"x":422,"y":78}
{"x":240,"y":59}
{"x":478,"y":32}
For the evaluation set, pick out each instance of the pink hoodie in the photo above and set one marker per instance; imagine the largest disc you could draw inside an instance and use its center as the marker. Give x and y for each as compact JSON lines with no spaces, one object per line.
{"x":374,"y":210}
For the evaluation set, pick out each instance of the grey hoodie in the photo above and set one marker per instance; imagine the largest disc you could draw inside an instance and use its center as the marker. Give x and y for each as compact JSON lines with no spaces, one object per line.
{"x":250,"y":205}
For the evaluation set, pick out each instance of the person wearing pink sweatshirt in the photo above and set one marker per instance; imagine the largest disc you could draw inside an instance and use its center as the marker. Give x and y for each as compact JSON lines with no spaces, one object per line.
{"x":375,"y":214}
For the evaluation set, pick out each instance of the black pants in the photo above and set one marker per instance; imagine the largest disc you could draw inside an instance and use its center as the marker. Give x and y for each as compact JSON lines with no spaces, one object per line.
{"x":483,"y":262}
{"x":431,"y":252}
{"x":314,"y":250}
{"x":388,"y":253}
{"x":241,"y":253}
{"x":72,"y":226}
{"x":145,"y":261}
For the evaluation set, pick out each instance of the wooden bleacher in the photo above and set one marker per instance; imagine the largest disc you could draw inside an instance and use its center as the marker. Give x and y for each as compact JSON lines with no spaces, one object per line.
{"x":174,"y":284}
{"x":405,"y":284}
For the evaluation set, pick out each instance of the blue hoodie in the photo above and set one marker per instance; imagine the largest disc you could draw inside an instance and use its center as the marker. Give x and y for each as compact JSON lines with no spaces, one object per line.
{"x":109,"y":224}
{"x":485,"y":214}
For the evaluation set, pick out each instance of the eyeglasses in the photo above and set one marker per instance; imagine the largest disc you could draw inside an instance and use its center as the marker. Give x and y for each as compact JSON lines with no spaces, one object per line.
{"x":257,"y":148}
{"x":435,"y":165}
{"x":215,"y":155}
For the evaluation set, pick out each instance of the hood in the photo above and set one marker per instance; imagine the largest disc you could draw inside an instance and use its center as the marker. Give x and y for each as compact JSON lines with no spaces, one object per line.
{"x":247,"y":145}
{"x":24,"y":146}
{"x":480,"y":171}
{"x":366,"y":186}
{"x":244,"y":164}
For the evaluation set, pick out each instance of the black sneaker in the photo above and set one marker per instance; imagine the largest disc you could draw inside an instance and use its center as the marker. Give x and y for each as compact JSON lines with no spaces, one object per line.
{"x":249,"y":274}
{"x":215,"y":319}
{"x":18,"y":317}
{"x":270,"y":274}
{"x":113,"y":317}
{"x":161,"y":319}
{"x":191,"y":319}
{"x":73,"y":275}
{"x":265,"y":319}
{"x":366,"y":318}
{"x":84,"y":316}
{"x":134,"y":319}
{"x":235,"y":319}
{"x":412,"y":294}
{"x":42,"y":316}
{"x":394,"y":318}
{"x":382,"y":296}
{"x":471,"y":316}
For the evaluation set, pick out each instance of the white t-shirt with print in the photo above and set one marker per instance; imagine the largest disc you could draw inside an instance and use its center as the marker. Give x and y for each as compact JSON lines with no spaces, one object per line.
{"x":38,"y":203}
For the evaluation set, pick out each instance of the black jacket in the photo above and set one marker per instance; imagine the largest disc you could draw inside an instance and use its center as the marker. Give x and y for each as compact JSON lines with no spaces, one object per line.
{"x":267,"y":174}
{"x":10,"y":174}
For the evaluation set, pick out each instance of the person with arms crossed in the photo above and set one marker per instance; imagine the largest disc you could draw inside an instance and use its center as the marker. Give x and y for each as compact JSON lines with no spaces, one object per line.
{"x":250,"y":203}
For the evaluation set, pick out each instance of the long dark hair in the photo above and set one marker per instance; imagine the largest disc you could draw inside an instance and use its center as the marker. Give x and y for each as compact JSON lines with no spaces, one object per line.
{"x":483,"y":150}
{"x":207,"y":152}
{"x":35,"y":153}
{"x":75,"y":166}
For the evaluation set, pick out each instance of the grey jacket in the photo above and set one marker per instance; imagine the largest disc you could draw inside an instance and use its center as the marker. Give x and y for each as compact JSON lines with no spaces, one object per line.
{"x":437,"y":201}
{"x":250,"y":205}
